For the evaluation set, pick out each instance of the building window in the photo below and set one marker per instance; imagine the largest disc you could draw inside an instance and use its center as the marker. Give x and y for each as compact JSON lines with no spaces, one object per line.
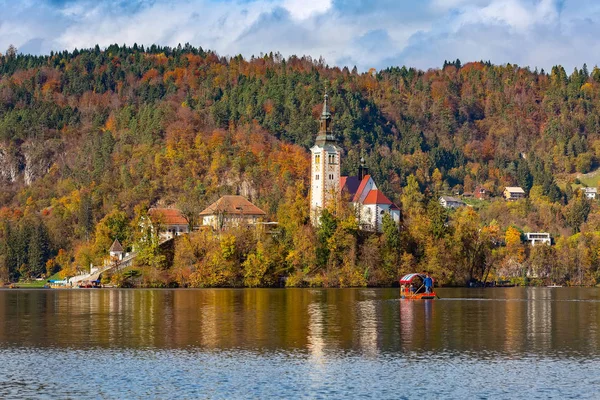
{"x":316,"y":177}
{"x":331,"y":158}
{"x":330,"y":177}
{"x":317,"y":159}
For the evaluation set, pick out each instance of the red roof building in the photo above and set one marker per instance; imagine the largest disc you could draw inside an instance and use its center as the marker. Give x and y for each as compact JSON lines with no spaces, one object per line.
{"x":371,"y":203}
{"x":231,"y":211}
{"x":171,"y":222}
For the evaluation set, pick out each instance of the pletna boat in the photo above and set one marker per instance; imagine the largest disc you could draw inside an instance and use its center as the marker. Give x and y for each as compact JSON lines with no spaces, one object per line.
{"x":412,"y":287}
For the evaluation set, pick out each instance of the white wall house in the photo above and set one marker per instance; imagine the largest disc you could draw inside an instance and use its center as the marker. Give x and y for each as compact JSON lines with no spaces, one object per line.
{"x":116,"y":250}
{"x":231,"y":211}
{"x":538,"y":238}
{"x":169,"y":222}
{"x":513,"y":193}
{"x":451,"y":202}
{"x":590,"y":193}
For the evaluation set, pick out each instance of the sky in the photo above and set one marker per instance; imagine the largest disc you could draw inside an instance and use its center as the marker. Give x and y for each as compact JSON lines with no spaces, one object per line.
{"x":365,"y":33}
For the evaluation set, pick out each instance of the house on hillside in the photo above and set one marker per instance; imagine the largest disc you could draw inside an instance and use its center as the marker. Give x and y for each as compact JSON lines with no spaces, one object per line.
{"x":481,"y":193}
{"x":590,"y":193}
{"x":116,"y":250}
{"x":512,"y":193}
{"x":170,"y":222}
{"x":231,"y":211}
{"x":538,"y":238}
{"x":451,"y":202}
{"x":327,"y":186}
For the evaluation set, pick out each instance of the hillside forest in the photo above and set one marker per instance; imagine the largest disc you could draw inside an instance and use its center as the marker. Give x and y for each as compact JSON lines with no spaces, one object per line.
{"x":90,"y":139}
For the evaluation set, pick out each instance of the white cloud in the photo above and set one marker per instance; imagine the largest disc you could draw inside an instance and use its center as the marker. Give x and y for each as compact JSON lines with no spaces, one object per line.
{"x":302,"y":9}
{"x":348,"y":32}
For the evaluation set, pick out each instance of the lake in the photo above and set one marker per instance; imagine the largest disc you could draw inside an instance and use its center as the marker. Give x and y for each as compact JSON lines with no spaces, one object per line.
{"x":299,"y":343}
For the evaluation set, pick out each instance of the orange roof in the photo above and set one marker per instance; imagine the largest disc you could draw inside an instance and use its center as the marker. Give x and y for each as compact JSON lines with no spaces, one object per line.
{"x":377,"y":197}
{"x":167,"y":216}
{"x":363,"y":183}
{"x":233,"y":205}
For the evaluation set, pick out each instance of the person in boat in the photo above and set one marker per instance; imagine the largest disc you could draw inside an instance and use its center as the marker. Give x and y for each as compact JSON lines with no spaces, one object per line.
{"x":428,"y":282}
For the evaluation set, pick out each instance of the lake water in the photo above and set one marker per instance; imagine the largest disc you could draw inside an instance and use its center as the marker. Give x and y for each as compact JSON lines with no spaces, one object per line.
{"x":300,"y":343}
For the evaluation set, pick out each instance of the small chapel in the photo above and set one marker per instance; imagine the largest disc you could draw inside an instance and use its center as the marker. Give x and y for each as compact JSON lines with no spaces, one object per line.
{"x":327,"y":186}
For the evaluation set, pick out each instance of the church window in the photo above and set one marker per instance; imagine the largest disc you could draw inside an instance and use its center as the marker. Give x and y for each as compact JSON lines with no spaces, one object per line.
{"x":317,"y":177}
{"x":331,"y":158}
{"x":317,"y":158}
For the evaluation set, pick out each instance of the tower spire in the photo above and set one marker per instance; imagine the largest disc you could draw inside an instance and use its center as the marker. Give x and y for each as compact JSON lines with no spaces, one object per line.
{"x":325,"y":114}
{"x":325,"y":131}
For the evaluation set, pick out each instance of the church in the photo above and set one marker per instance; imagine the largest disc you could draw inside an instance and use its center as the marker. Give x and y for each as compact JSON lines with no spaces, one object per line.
{"x":327,"y":186}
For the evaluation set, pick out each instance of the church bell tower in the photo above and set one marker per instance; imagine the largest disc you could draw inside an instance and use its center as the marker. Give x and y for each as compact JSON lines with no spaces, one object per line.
{"x":324,"y":168}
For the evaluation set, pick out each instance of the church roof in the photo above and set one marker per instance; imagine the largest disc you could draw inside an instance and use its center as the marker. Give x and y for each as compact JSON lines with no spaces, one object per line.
{"x":233,"y":205}
{"x":325,"y":135}
{"x":116,"y":247}
{"x":349,"y":184}
{"x":377,"y":197}
{"x":361,"y":188}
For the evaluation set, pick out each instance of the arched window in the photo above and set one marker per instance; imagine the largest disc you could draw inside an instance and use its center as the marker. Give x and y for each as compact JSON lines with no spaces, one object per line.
{"x":317,"y":158}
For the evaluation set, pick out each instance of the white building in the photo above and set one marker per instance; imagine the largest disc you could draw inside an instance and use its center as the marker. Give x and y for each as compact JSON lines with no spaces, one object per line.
{"x":513,"y":193}
{"x":451,"y":202}
{"x":371,"y":205}
{"x":538,"y":238}
{"x":170,"y":222}
{"x":324,"y":167}
{"x":231,"y":211}
{"x":590,"y":193}
{"x":116,"y":250}
{"x":327,"y":185}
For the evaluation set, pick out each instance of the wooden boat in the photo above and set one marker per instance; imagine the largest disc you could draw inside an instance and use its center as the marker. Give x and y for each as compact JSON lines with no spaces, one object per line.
{"x":90,"y":285}
{"x":412,"y":287}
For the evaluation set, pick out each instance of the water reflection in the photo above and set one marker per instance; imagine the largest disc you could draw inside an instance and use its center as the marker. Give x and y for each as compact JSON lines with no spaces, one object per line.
{"x":318,"y":322}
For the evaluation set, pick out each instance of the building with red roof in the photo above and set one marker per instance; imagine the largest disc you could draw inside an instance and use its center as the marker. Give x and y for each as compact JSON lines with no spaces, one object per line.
{"x":170,"y":222}
{"x":230,"y":211}
{"x":371,"y":204}
{"x":327,"y":186}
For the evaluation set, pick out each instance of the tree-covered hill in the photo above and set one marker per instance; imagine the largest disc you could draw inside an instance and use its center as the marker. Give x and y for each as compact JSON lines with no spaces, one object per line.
{"x":90,"y":138}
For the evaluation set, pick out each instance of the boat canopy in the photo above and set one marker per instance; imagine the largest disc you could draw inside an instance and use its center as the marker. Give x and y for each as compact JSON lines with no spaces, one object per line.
{"x":406,"y":279}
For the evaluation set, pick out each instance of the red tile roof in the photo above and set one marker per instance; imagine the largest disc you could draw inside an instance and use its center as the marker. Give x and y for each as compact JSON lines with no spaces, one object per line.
{"x":167,"y":216}
{"x":363,"y":183}
{"x":233,"y":205}
{"x":377,"y":197}
{"x":349,"y":184}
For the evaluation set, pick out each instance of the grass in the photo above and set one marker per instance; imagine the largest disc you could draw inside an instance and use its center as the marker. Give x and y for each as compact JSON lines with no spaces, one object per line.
{"x":31,"y":284}
{"x":36,"y":284}
{"x":590,"y":179}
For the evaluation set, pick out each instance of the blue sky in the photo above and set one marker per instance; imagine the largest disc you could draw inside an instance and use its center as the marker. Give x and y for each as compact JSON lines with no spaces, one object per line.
{"x":419,"y":33}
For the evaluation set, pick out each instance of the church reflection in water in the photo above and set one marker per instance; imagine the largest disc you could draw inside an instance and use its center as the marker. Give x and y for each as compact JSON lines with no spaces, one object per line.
{"x":315,"y":322}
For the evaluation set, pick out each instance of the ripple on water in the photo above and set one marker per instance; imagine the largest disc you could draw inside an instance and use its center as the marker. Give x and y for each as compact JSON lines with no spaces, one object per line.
{"x":193,"y":373}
